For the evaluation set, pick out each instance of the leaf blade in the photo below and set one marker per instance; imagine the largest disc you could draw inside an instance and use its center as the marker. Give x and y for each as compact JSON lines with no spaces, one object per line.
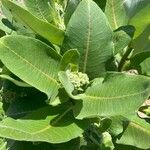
{"x":26,"y":64}
{"x":111,"y":97}
{"x":136,"y":134}
{"x":48,"y":124}
{"x":35,"y":24}
{"x":89,"y":32}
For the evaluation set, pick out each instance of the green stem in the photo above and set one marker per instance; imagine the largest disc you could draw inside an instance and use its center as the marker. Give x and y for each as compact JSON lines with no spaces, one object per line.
{"x":95,"y":142}
{"x":124,"y":58}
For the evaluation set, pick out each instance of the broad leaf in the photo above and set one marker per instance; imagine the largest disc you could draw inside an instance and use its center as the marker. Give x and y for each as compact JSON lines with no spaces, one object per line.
{"x":116,"y":14}
{"x":88,"y":30}
{"x":113,"y":96}
{"x":48,"y":124}
{"x":42,"y":9}
{"x":136,"y":134}
{"x":138,"y":10}
{"x":50,"y":32}
{"x":71,"y":6}
{"x":23,"y":145}
{"x":23,"y":56}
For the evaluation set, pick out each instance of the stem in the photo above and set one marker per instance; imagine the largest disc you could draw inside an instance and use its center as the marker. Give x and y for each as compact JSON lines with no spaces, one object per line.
{"x":124,"y":58}
{"x":95,"y":142}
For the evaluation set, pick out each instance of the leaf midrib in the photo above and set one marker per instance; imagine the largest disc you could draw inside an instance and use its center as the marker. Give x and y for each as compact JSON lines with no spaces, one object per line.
{"x":86,"y":51}
{"x":138,"y":126}
{"x":114,"y":15}
{"x":39,"y":131}
{"x":30,"y":64}
{"x":115,"y":97}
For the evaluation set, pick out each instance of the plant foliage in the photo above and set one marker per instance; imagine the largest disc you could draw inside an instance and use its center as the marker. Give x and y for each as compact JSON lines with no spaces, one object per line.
{"x":75,"y":74}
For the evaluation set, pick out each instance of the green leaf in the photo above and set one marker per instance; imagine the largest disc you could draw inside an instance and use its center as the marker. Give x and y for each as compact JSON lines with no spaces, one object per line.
{"x":136,"y":134}
{"x":113,"y":96}
{"x":116,"y":14}
{"x":116,"y":126}
{"x":1,"y":108}
{"x":48,"y":124}
{"x":138,"y":10}
{"x":41,"y":9}
{"x":71,"y":57}
{"x":142,"y":43}
{"x":122,"y":37}
{"x":18,"y":83}
{"x":141,"y":62}
{"x":26,"y":63}
{"x":71,"y":6}
{"x":50,"y":32}
{"x":3,"y":144}
{"x":88,"y":30}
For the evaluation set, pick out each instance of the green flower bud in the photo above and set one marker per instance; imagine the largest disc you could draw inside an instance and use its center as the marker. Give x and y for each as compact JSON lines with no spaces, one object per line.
{"x":78,"y":79}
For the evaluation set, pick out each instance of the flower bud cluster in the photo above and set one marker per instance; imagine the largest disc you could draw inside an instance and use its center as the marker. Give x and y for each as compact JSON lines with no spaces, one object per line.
{"x":78,"y":79}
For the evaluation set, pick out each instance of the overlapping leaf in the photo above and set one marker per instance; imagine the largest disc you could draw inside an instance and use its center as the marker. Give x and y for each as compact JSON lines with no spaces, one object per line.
{"x":88,"y":30}
{"x":138,"y":10}
{"x":49,"y":124}
{"x":71,"y":6}
{"x":42,"y":9}
{"x":23,"y":56}
{"x":116,"y":14}
{"x":123,"y":12}
{"x":136,"y":134}
{"x":40,"y":27}
{"x":113,"y":96}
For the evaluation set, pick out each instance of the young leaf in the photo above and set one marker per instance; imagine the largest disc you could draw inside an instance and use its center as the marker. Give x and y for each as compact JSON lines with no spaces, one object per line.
{"x":88,"y":30}
{"x":116,"y":14}
{"x":113,"y":96}
{"x":48,"y":124}
{"x":136,"y":134}
{"x":50,"y":32}
{"x":23,"y":56}
{"x":71,"y":57}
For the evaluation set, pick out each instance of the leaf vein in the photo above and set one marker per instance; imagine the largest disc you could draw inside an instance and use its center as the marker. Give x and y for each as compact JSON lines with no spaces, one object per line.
{"x":30,"y":64}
